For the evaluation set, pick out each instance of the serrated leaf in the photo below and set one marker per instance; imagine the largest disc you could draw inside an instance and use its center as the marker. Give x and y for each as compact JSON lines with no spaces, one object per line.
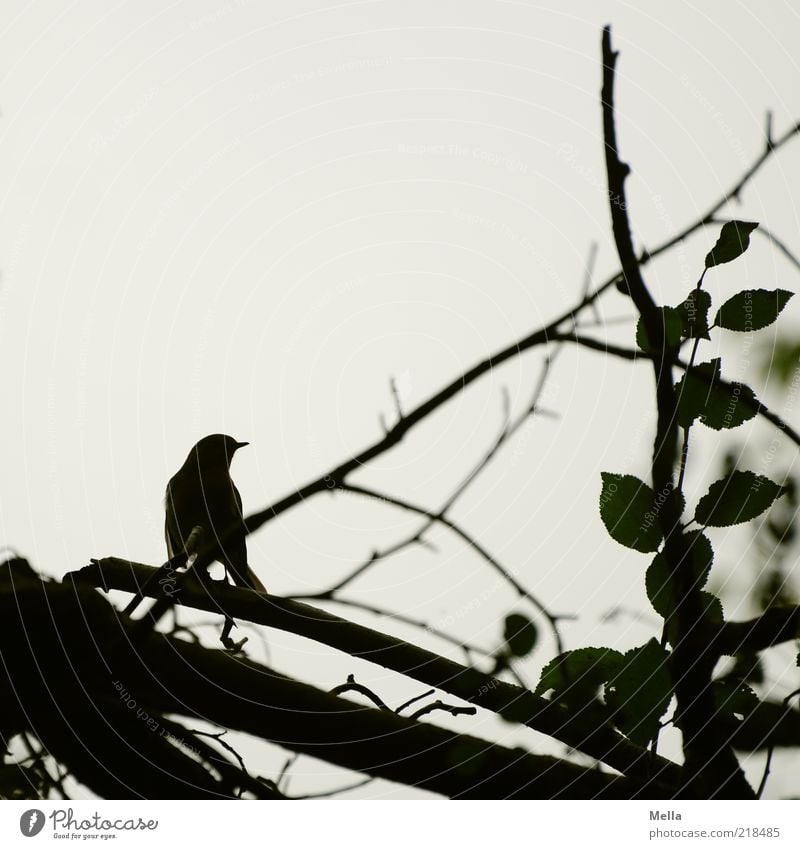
{"x":719,"y":406}
{"x":671,"y":323}
{"x":736,"y":498}
{"x":520,"y":635}
{"x":640,"y":693}
{"x":629,"y":511}
{"x":582,"y":670}
{"x":694,"y":314}
{"x":712,"y":608}
{"x":752,"y":309}
{"x":733,"y":241}
{"x":658,"y":580}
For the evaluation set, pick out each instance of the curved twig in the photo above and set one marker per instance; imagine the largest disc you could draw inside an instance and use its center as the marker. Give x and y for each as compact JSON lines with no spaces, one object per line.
{"x":551,"y":618}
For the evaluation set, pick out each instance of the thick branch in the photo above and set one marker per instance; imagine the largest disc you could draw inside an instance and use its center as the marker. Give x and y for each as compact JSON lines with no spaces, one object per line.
{"x":248,"y":697}
{"x":768,"y":724}
{"x":95,"y":697}
{"x":471,"y":685}
{"x":776,"y":625}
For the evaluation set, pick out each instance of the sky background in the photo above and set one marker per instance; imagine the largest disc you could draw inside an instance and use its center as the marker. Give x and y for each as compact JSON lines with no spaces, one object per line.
{"x":247,"y":217}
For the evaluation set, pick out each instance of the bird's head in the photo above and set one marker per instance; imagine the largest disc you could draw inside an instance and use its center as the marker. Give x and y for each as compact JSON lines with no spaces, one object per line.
{"x":216,"y":448}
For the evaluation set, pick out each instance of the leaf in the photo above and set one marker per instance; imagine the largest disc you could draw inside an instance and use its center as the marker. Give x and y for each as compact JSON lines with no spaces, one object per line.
{"x":748,"y":667}
{"x":712,"y":608}
{"x":520,"y":635}
{"x":640,"y":692}
{"x":736,"y":498}
{"x":658,"y":580}
{"x":733,"y":241}
{"x":672,"y":325}
{"x":694,"y":314}
{"x":782,"y":365}
{"x":752,"y":309}
{"x":582,"y":670}
{"x":629,"y":511}
{"x":718,"y":406}
{"x":734,"y":699}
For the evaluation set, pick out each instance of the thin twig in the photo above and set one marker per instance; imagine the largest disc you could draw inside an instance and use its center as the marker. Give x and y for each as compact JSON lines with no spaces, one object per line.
{"x":642,"y":356}
{"x":414,"y":699}
{"x":551,"y":618}
{"x":453,"y":710}
{"x":326,"y":794}
{"x":352,"y":686}
{"x":771,"y":750}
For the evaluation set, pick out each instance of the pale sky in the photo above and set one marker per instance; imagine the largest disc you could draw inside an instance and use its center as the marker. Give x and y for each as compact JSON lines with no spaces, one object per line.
{"x":247,"y":217}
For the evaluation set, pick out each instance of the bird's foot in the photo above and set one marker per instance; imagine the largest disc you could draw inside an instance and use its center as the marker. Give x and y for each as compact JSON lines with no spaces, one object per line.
{"x":233,"y":646}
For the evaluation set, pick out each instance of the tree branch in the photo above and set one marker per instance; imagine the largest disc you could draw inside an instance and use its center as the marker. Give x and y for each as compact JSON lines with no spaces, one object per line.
{"x":635,"y":355}
{"x":94,"y":696}
{"x":513,"y":703}
{"x":709,"y":760}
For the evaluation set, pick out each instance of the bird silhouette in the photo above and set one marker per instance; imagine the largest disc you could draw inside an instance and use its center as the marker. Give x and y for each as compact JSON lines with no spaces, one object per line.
{"x":203,"y":505}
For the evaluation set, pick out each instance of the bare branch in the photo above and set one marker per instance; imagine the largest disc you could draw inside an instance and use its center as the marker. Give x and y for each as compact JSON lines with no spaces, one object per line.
{"x":551,"y":618}
{"x":352,"y":686}
{"x":453,"y":710}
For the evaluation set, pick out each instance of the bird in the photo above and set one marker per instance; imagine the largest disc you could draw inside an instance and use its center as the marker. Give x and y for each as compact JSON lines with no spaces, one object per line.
{"x":203,"y":505}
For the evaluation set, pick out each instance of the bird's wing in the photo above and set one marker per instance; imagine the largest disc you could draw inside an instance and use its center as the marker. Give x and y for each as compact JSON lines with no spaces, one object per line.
{"x":170,"y":525}
{"x":235,"y":559}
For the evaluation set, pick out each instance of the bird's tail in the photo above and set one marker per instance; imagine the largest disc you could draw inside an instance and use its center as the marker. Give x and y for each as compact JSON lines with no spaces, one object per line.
{"x":245,"y":577}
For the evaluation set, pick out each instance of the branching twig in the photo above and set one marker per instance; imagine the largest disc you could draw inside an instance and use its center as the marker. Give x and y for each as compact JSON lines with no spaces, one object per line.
{"x":552,"y":619}
{"x":642,"y":356}
{"x":453,"y":710}
{"x":352,"y":686}
{"x":414,"y":699}
{"x":507,"y":430}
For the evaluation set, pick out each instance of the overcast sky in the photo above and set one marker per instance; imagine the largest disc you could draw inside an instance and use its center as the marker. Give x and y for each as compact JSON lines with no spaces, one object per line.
{"x":247,"y":217}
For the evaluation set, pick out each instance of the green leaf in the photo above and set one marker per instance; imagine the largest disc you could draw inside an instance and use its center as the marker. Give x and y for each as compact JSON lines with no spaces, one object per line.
{"x":733,"y":241}
{"x":629,"y":510}
{"x":718,"y":406}
{"x":671,"y":322}
{"x":736,"y":498}
{"x":582,"y":671}
{"x":520,"y":635}
{"x":658,"y":580}
{"x":640,"y":692}
{"x":752,"y":309}
{"x":694,"y":314}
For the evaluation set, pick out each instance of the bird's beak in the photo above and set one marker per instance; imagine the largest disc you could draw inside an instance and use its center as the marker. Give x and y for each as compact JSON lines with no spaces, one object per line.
{"x":241,"y":445}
